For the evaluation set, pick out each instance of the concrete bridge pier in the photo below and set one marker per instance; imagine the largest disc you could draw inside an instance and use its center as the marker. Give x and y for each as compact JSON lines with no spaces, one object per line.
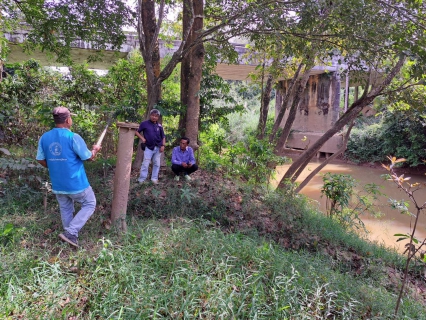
{"x":317,"y":112}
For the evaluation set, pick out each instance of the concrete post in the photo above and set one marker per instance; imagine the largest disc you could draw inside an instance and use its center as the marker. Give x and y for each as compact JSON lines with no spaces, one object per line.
{"x":346,"y":91}
{"x":122,"y":173}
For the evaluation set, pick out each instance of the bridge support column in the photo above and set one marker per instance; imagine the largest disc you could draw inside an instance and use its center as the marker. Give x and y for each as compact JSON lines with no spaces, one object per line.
{"x":317,"y":112}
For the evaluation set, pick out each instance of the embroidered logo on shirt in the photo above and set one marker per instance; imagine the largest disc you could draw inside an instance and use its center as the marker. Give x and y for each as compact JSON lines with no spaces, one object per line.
{"x":55,"y":149}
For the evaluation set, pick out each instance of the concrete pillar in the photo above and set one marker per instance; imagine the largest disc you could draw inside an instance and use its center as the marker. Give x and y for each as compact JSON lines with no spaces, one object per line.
{"x":335,"y":97}
{"x":279,"y":97}
{"x":347,"y":91}
{"x":122,"y":173}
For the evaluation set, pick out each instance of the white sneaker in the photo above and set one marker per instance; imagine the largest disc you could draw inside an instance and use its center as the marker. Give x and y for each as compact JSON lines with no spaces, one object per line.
{"x":176,"y":178}
{"x":141,"y":181}
{"x":187,"y":178}
{"x":154,"y":181}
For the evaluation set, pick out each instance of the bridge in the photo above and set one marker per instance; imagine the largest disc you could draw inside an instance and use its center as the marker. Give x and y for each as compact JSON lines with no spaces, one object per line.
{"x":318,"y":110}
{"x":81,"y":50}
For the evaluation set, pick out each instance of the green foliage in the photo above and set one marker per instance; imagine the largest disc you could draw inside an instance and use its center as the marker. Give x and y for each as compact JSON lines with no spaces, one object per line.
{"x":18,"y":164}
{"x":187,"y":194}
{"x":8,"y":233}
{"x":216,"y":99}
{"x":81,"y":88}
{"x":124,"y":88}
{"x":253,"y":159}
{"x":345,"y":204}
{"x":399,"y":133}
{"x":20,"y":94}
{"x":413,"y":249}
{"x":54,"y":25}
{"x":31,"y":92}
{"x":338,"y":188}
{"x":24,"y":183}
{"x":404,"y":136}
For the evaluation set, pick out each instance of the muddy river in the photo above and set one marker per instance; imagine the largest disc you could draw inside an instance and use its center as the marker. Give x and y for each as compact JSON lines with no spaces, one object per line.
{"x":380,"y":229}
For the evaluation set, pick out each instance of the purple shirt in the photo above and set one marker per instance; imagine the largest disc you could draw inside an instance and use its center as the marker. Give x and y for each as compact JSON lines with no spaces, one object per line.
{"x":179,"y":156}
{"x":153,"y":133}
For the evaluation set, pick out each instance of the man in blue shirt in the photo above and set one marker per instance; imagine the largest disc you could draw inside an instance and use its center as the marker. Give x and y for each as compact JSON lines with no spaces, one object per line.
{"x":62,"y":152}
{"x":154,"y":140}
{"x":183,"y":160}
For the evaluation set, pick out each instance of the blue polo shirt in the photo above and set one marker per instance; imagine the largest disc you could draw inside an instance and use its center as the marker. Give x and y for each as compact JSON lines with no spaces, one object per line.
{"x":64,"y":152}
{"x":179,"y":156}
{"x":153,"y":133}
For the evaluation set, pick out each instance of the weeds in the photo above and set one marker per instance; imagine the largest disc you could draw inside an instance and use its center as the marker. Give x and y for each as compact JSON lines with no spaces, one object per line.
{"x":414,"y":246}
{"x":344,"y":204}
{"x":8,"y":233}
{"x":253,"y":160}
{"x":210,"y":249}
{"x":181,"y":270}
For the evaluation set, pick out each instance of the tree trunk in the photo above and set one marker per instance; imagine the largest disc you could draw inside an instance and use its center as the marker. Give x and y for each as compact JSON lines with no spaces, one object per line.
{"x":266,"y":98}
{"x":154,"y":95}
{"x":300,"y":163}
{"x":1,"y":58}
{"x":185,"y":67}
{"x":148,"y":38}
{"x":286,"y":100}
{"x":148,"y":29}
{"x":326,"y":161}
{"x":193,"y":78}
{"x":292,"y":112}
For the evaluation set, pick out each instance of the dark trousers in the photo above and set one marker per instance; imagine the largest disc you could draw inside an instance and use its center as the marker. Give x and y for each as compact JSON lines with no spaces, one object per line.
{"x":177,"y":169}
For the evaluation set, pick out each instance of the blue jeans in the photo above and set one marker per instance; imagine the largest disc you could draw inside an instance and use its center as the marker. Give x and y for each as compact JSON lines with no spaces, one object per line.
{"x":147,"y":156}
{"x":71,"y":223}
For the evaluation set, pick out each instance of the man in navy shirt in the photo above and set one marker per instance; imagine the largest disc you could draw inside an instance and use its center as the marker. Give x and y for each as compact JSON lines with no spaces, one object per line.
{"x":154,"y":140}
{"x":183,"y":160}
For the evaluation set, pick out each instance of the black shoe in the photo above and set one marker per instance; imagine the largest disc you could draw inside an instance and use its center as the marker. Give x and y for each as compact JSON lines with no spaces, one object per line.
{"x":68,"y":237}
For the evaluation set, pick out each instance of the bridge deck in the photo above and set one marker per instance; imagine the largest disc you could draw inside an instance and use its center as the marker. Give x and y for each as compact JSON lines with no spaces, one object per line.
{"x":82,"y":50}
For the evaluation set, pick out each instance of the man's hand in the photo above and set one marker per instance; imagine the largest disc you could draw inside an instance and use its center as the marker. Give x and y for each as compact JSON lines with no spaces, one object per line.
{"x":95,"y":150}
{"x":161,"y":149}
{"x":184,"y":165}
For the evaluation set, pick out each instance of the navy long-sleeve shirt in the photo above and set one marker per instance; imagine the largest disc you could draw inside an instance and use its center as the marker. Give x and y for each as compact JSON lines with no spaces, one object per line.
{"x":153,"y":133}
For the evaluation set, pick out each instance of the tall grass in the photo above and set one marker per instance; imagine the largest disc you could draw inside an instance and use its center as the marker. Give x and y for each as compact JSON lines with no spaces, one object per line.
{"x":188,"y":254}
{"x":184,"y":270}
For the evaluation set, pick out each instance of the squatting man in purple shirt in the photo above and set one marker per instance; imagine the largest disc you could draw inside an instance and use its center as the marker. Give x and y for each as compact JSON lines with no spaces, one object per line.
{"x":183,"y":160}
{"x":153,"y":142}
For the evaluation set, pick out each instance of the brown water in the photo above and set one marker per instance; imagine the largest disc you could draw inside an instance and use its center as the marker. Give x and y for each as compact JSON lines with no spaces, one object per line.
{"x":380,"y":229}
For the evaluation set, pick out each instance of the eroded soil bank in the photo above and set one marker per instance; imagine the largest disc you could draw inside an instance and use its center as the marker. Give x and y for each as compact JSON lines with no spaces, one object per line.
{"x":247,"y":214}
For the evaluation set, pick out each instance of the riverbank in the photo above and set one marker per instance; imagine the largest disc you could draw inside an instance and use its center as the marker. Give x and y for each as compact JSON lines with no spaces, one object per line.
{"x":210,"y":246}
{"x":391,"y":222}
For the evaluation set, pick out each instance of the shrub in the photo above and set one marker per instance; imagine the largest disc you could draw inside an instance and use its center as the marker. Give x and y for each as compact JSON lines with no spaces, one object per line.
{"x":401,"y":134}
